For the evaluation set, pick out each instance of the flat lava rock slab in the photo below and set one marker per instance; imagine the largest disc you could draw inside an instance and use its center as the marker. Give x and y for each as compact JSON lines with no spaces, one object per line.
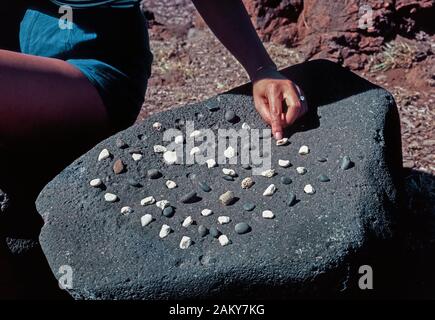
{"x":308,"y":249}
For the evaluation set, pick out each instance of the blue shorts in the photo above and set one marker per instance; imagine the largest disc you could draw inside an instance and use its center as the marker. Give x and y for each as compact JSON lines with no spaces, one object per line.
{"x":109,"y":46}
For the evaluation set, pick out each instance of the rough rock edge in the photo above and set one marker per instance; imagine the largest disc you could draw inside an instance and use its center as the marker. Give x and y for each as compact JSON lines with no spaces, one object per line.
{"x":388,"y":160}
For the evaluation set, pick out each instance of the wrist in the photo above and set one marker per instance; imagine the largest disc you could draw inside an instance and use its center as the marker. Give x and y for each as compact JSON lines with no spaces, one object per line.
{"x":263,"y":72}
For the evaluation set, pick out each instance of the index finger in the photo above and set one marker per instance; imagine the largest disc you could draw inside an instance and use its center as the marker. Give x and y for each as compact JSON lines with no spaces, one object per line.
{"x":275,"y":103}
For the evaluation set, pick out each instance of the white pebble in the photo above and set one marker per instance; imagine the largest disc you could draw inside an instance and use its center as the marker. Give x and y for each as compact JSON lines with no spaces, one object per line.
{"x":162,"y":204}
{"x":229,"y":153}
{"x":126,"y":210}
{"x":268,"y":173}
{"x":185,"y":242}
{"x":223,"y":240}
{"x":245,"y":126}
{"x":147,"y":201}
{"x":170,"y":157}
{"x":229,"y":172}
{"x":195,"y":134}
{"x":159,"y":148}
{"x":284,"y":163}
{"x":179,"y":139}
{"x":164,"y":231}
{"x":104,"y":154}
{"x":136,"y":156}
{"x":171,"y":184}
{"x":146,"y":220}
{"x":211,"y":163}
{"x":301,"y":170}
{"x":187,"y":222}
{"x":96,"y":182}
{"x":267,"y":214}
{"x":206,"y":212}
{"x":282,"y":142}
{"x":304,"y":150}
{"x":110,"y":197}
{"x":270,"y":190}
{"x":224,"y":219}
{"x":308,"y":189}
{"x":247,"y":183}
{"x":195,"y":150}
{"x":157,"y":126}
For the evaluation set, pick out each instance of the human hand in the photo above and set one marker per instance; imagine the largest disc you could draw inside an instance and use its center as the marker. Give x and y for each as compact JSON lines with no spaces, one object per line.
{"x":279,"y":101}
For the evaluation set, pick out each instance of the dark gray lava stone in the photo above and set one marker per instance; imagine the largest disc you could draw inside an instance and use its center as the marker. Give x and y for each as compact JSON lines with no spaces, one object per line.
{"x":230,"y":116}
{"x":202,"y":231}
{"x":242,"y":228}
{"x":169,"y":212}
{"x":214,"y":232}
{"x":313,"y":249}
{"x":324,"y":178}
{"x":204,"y":186}
{"x":291,"y":200}
{"x":188,"y":197}
{"x":286,"y":180}
{"x":134,"y":183}
{"x":248,"y":206}
{"x":346,"y":163}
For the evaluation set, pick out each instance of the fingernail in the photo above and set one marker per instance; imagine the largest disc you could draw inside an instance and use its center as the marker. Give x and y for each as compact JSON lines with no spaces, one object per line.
{"x":278,"y":135}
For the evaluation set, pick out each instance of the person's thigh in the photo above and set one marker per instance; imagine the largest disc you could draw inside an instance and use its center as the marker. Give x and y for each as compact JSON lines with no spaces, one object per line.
{"x":47,"y":99}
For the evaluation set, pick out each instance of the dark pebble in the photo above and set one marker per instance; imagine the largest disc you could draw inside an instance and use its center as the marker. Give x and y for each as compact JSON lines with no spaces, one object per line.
{"x":121,"y":143}
{"x":154,"y":174}
{"x":346,"y":163}
{"x":291,"y":199}
{"x":187,"y":198}
{"x":248,"y":206}
{"x":134,"y":183}
{"x":214,"y":232}
{"x":228,"y":178}
{"x":286,"y":180}
{"x":230,"y":116}
{"x":203,"y":231}
{"x":324,"y":178}
{"x":168,"y":212}
{"x":320,"y":159}
{"x":212,"y":107}
{"x":242,"y":228}
{"x":246,"y":166}
{"x":204,"y":186}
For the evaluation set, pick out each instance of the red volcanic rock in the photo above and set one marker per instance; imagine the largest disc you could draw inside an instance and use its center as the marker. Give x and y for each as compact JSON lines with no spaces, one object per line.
{"x":342,"y":31}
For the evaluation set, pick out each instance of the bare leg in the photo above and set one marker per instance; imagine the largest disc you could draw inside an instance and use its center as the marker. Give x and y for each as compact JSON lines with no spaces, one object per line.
{"x":49,"y":100}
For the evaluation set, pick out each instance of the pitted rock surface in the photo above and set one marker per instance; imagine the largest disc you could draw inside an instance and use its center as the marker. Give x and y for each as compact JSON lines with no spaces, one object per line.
{"x":312,"y":245}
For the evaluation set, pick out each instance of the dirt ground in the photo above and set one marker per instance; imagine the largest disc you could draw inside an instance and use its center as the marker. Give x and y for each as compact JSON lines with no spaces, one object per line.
{"x":191,"y":65}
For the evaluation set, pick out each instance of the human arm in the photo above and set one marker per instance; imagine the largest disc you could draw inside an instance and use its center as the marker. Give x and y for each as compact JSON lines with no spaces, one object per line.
{"x":230,"y":22}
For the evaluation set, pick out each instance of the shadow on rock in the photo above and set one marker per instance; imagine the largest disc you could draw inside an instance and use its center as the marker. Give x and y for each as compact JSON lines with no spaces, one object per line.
{"x":331,"y":83}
